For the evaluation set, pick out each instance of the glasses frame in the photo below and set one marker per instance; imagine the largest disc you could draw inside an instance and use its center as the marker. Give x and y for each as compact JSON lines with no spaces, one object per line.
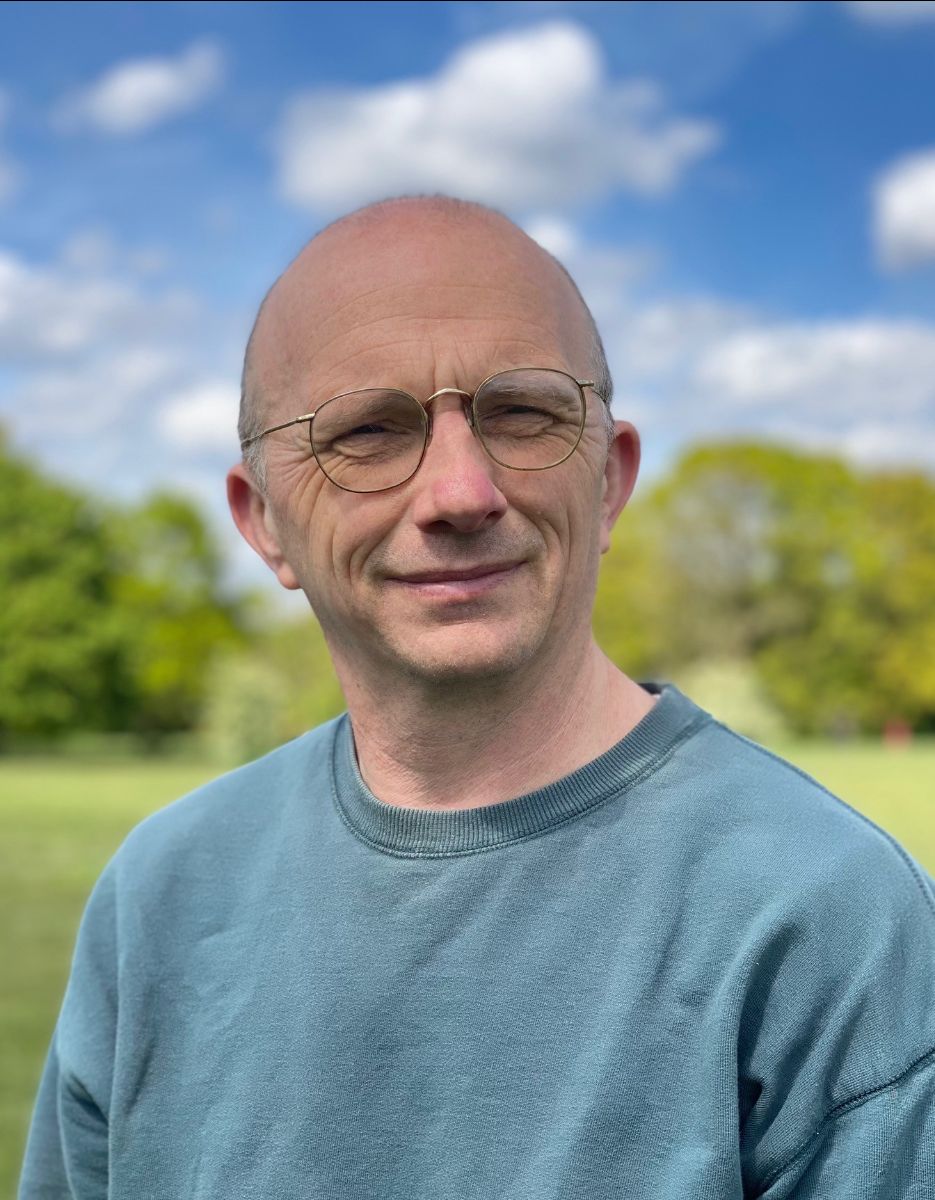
{"x":581,"y":384}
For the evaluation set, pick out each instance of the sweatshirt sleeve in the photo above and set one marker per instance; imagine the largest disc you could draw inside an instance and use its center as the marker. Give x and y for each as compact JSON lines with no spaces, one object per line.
{"x":67,"y":1150}
{"x":848,"y":1071}
{"x":878,"y":1147}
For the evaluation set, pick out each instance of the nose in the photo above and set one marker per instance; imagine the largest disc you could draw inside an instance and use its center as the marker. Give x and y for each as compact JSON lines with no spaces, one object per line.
{"x":455,"y":484}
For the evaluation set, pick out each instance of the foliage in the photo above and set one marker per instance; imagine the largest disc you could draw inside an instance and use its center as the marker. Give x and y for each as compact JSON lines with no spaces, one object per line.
{"x":284,"y":685}
{"x":821,"y":577}
{"x":59,"y":656}
{"x":172,"y":615}
{"x":243,"y":715}
{"x":109,"y":617}
{"x":731,"y":691}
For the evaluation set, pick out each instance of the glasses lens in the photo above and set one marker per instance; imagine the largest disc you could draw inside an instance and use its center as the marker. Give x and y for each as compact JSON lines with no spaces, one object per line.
{"x":530,"y":419}
{"x":369,"y":440}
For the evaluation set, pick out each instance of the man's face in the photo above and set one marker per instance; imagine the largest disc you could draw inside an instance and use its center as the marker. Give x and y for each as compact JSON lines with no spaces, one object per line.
{"x":469,"y":570}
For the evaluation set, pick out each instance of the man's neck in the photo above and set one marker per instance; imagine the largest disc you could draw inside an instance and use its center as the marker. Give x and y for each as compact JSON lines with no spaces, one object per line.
{"x":449,"y":749}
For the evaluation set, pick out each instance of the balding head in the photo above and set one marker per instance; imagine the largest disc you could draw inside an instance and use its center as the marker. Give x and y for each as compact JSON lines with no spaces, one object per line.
{"x":407,"y":249}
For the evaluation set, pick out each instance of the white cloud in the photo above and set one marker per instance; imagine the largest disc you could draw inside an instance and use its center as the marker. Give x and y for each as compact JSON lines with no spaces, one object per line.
{"x":523,"y":119}
{"x":866,"y":444}
{"x":864,"y":389}
{"x":203,"y":417}
{"x":103,"y":398}
{"x":554,"y":234}
{"x":97,"y":362}
{"x":136,"y":95}
{"x":879,"y":444}
{"x":148,"y":260}
{"x":663,"y":337}
{"x":117,"y":382}
{"x":892,"y":12}
{"x":904,"y":211}
{"x":825,"y":373}
{"x":56,"y":312}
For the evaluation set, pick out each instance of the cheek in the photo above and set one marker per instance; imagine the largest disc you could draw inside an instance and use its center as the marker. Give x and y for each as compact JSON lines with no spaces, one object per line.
{"x":334,"y":535}
{"x":571,"y":515}
{"x":297,"y":500}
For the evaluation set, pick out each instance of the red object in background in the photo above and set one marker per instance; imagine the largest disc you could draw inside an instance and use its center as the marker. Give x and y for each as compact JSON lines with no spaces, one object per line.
{"x":897,"y":733}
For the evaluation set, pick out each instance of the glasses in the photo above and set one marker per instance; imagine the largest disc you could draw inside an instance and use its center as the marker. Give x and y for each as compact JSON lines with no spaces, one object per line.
{"x":526,"y":419}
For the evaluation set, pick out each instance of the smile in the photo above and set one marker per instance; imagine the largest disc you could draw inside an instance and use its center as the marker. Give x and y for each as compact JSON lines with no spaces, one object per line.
{"x":458,"y":583}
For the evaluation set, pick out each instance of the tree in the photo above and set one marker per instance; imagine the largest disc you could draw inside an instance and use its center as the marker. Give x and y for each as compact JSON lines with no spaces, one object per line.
{"x":173,"y":615}
{"x":110,"y":618}
{"x":59,"y":656}
{"x":283,"y":685}
{"x":822,"y":577}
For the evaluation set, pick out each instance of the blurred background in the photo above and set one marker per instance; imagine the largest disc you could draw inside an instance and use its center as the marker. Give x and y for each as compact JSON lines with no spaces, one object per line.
{"x":745,"y":193}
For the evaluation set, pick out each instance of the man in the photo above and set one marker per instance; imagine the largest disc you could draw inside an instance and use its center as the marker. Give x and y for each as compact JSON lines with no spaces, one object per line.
{"x":516,"y":926}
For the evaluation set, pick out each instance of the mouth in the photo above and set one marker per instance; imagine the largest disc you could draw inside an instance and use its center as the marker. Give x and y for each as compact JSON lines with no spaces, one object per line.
{"x":458,"y":583}
{"x":456,"y":574}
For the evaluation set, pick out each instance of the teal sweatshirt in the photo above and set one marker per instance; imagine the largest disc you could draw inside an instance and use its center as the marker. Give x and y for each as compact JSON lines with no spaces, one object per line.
{"x":683,"y":972}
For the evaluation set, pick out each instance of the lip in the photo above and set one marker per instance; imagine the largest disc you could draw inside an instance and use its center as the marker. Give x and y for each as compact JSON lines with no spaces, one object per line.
{"x":459,"y":584}
{"x":457,"y":574}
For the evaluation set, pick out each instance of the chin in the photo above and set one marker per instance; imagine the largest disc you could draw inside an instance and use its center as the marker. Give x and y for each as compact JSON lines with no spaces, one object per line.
{"x":459,"y":660}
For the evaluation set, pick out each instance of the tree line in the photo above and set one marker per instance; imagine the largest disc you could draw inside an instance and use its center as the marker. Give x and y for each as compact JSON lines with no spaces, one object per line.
{"x":819,"y":578}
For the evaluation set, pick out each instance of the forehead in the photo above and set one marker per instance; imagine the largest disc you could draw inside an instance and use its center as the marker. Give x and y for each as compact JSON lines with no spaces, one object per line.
{"x":418,"y":295}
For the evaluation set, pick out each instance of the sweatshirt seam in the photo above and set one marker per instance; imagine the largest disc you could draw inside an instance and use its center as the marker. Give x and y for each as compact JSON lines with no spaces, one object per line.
{"x":600,"y":801}
{"x":845,"y":1106}
{"x":888,"y":838}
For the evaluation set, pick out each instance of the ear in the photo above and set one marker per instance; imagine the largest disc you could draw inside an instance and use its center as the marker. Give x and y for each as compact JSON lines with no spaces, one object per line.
{"x":254,"y":518}
{"x":620,"y":472}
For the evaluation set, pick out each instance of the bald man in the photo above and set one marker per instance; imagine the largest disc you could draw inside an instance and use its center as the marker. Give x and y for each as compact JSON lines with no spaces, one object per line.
{"x":515,"y":925}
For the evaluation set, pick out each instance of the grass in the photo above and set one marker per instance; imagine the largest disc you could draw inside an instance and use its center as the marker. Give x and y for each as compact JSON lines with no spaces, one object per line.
{"x":60,"y":821}
{"x":59,"y":824}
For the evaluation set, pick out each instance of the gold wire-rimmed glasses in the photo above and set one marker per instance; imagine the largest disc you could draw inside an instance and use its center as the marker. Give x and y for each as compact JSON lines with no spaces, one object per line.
{"x":373,"y":439}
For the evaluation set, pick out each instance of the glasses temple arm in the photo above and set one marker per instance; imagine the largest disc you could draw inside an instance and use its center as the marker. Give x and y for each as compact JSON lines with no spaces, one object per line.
{"x":274,"y":428}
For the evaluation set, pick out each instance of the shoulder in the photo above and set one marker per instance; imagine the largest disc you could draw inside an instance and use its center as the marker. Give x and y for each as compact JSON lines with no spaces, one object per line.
{"x":784,"y":829}
{"x":232,"y":817}
{"x":816,"y":910}
{"x":191,"y":864}
{"x":831,"y":927}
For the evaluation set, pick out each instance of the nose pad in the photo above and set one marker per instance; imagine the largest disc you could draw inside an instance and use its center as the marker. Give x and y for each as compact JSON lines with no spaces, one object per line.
{"x":467,"y":408}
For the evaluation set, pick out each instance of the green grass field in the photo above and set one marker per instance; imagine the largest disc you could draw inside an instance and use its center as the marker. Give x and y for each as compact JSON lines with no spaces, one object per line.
{"x":61,"y":821}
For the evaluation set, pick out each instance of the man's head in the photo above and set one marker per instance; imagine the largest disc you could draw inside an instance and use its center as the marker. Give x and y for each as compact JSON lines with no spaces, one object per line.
{"x":422,"y":295}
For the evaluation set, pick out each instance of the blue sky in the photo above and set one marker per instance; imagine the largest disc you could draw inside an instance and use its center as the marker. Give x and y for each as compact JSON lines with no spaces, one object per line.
{"x":745,"y":193}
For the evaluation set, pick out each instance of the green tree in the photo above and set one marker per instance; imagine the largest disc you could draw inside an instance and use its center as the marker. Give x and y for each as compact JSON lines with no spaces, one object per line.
{"x":59,"y":655}
{"x":281,"y":686}
{"x":110,"y":618}
{"x":820,"y":576}
{"x":173,"y":614}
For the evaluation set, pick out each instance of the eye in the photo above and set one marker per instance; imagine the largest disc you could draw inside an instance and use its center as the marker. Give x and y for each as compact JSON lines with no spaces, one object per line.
{"x":515,"y":419}
{"x":364,"y":431}
{"x":369,"y":439}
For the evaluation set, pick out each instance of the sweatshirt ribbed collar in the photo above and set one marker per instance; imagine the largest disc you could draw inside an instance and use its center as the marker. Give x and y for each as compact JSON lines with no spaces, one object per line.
{"x":418,"y":832}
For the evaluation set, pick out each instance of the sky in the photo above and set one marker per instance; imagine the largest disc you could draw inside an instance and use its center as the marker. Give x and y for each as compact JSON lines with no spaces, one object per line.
{"x":745,"y":193}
